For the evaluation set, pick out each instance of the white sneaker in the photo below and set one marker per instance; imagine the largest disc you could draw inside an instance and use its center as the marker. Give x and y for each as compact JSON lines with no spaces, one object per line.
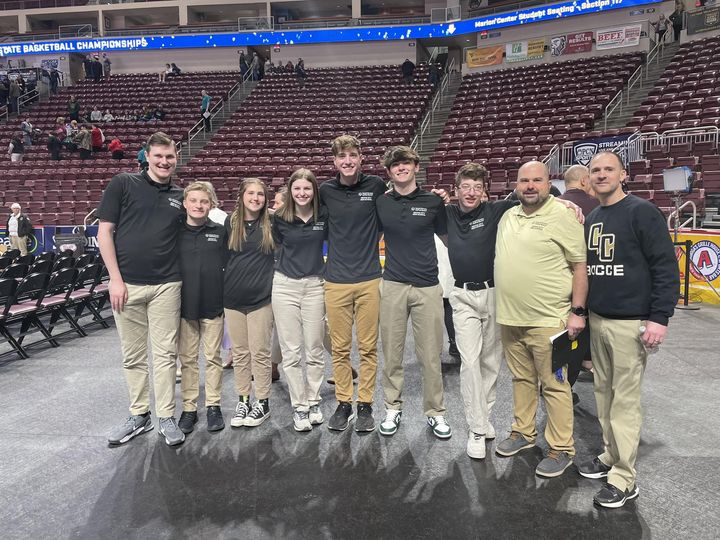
{"x":391,"y":423}
{"x":241,"y":411}
{"x":476,"y":445}
{"x":440,"y":427}
{"x":490,"y":435}
{"x":301,"y":421}
{"x":316,"y":415}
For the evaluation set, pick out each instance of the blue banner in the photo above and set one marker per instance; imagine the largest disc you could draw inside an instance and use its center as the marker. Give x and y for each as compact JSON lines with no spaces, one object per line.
{"x":297,"y":37}
{"x":585,"y":149}
{"x":43,"y":238}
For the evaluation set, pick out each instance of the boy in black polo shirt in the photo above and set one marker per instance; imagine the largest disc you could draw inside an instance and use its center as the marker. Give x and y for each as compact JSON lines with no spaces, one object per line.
{"x":410,"y":219}
{"x":140,"y":216}
{"x":203,"y":253}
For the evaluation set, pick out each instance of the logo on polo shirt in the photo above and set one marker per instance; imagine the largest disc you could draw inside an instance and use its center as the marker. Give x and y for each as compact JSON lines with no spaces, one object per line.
{"x":319,"y":226}
{"x":365,"y":196}
{"x":175,"y":203}
{"x":419,"y":211}
{"x":210,"y":237}
{"x":476,"y":224}
{"x":604,"y":246}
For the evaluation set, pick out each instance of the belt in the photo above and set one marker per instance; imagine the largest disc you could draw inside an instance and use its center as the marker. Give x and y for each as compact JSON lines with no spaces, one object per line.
{"x":474,"y":286}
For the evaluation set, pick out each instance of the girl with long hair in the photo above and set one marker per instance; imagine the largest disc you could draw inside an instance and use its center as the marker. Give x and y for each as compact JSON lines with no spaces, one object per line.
{"x":298,"y":297}
{"x":247,"y":293}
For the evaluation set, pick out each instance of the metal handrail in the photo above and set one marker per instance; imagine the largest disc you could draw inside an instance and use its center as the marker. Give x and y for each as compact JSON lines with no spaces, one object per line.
{"x":611,"y":106}
{"x":417,"y":141}
{"x":635,"y":78}
{"x":5,"y":112}
{"x":676,"y":214}
{"x":552,"y":160}
{"x":26,"y":98}
{"x":653,"y":54}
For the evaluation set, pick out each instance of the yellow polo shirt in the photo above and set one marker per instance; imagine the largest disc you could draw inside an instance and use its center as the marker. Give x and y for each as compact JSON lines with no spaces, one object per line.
{"x":533,"y":272}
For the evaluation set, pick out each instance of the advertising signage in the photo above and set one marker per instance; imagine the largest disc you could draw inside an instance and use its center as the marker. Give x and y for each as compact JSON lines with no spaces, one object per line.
{"x":334,"y":35}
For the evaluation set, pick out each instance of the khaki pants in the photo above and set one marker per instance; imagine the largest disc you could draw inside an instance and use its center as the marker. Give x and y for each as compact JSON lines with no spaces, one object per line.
{"x":619,"y":360}
{"x":477,"y":336}
{"x":19,"y":242}
{"x":299,"y":310}
{"x":211,"y":333}
{"x":529,"y":356}
{"x":423,"y":305}
{"x":345,"y":303}
{"x":251,"y":336}
{"x":151,"y":310}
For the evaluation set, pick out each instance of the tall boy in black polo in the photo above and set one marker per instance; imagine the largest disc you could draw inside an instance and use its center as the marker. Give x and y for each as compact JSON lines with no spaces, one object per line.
{"x":410,"y":219}
{"x":203,"y":253}
{"x":140,"y":215}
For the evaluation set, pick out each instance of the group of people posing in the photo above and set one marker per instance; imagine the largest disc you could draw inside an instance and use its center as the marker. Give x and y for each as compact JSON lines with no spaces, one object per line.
{"x":524,"y":270}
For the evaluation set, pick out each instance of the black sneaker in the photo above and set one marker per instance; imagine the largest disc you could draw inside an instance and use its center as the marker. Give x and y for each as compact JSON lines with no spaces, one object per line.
{"x":365,"y":421}
{"x":187,"y":421}
{"x":215,"y":421}
{"x":340,"y":420}
{"x":612,"y":497}
{"x":258,"y":414}
{"x":594,"y":469}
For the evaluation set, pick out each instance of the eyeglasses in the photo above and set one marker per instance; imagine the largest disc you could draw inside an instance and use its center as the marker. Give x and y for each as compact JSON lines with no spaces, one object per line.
{"x":466,"y":188}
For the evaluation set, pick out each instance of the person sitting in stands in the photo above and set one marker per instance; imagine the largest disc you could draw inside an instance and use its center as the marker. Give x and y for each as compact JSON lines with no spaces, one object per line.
{"x":289,"y":67}
{"x":164,"y":73}
{"x":97,"y":138}
{"x":147,"y":114}
{"x":159,"y":113}
{"x":15,"y":148}
{"x":174,"y":70}
{"x":54,"y":145}
{"x":84,"y":143}
{"x":107,"y":117}
{"x":96,"y":114}
{"x":117,"y":149}
{"x":137,"y":115}
{"x":60,"y":130}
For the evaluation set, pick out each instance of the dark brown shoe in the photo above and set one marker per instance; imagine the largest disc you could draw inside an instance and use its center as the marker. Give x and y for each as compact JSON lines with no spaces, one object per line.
{"x":275,"y":373}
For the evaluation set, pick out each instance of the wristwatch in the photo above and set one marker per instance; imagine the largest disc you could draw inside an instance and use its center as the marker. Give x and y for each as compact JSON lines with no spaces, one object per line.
{"x":579,"y":311}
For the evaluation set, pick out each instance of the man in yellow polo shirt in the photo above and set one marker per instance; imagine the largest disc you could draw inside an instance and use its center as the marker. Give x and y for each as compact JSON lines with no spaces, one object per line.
{"x":541,"y":283}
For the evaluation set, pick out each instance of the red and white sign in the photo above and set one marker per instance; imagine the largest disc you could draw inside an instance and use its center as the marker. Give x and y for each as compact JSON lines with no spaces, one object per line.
{"x":613,"y":38}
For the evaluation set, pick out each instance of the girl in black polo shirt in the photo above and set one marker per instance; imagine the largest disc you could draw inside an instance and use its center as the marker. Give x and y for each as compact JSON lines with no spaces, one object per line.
{"x":298,"y":297}
{"x":247,"y":291}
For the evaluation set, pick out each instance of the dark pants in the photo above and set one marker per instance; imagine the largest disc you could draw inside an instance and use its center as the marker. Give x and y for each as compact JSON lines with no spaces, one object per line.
{"x":84,"y":153}
{"x":206,"y":123}
{"x":118,"y":154}
{"x":55,"y":154}
{"x":75,"y":116}
{"x":449,"y":325}
{"x":677,"y":30}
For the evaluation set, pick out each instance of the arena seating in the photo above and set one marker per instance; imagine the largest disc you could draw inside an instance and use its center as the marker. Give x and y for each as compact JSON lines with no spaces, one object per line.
{"x":63,"y":192}
{"x":506,"y":117}
{"x":282,"y":126}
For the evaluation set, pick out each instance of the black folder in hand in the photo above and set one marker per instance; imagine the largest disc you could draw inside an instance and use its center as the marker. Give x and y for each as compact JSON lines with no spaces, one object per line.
{"x":565,"y":351}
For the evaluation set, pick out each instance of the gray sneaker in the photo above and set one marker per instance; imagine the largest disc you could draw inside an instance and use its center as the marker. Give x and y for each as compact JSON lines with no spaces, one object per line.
{"x":134,"y":425}
{"x":512,"y":445}
{"x":554,"y":464}
{"x":170,"y":430}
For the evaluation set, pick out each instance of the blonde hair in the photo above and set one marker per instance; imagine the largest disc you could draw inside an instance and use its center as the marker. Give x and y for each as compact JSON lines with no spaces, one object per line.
{"x":287,"y":212}
{"x":237,"y":230}
{"x":207,"y":187}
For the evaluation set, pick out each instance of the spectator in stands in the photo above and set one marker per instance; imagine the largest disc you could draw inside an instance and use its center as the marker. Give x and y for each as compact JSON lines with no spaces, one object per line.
{"x":22,"y":84}
{"x":137,"y":115}
{"x":15,"y":148}
{"x":27,"y":130}
{"x":159,"y":113}
{"x":147,"y":114}
{"x":300,"y":72}
{"x":279,"y":199}
{"x":433,"y":74}
{"x":108,"y":117}
{"x":96,"y":114}
{"x":174,"y":70}
{"x":97,"y":69}
{"x":54,"y":80}
{"x":87,"y":66}
{"x":73,"y":108}
{"x":634,"y":285}
{"x":533,"y":306}
{"x":661,"y":26}
{"x":289,"y":67}
{"x":244,"y":66}
{"x":165,"y":72}
{"x":83,"y":141}
{"x":18,"y":228}
{"x":116,"y":148}
{"x":408,"y":71}
{"x":107,"y":65}
{"x":202,"y":254}
{"x":14,"y":94}
{"x":54,"y":145}
{"x":677,"y":18}
{"x":60,"y":128}
{"x":410,"y":289}
{"x":577,"y":188}
{"x":247,"y":297}
{"x":4,"y":90}
{"x":255,"y":67}
{"x":205,"y":110}
{"x":142,"y":158}
{"x":139,"y":247}
{"x":97,"y":138}
{"x":269,"y":66}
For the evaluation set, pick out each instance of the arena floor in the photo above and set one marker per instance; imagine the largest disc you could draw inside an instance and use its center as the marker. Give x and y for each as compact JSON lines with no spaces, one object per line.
{"x":60,"y":480}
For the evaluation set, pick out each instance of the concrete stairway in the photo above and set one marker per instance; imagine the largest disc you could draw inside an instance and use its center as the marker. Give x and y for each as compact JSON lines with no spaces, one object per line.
{"x":651,"y":73}
{"x":435,"y":128}
{"x":711,"y":220}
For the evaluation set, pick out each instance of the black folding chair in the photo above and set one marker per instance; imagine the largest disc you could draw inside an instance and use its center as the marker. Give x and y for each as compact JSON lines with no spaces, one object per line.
{"x":12,"y":253}
{"x":25,"y":259}
{"x":57,"y":300}
{"x":41,"y":266}
{"x":8,"y":286}
{"x":84,"y":295}
{"x":16,"y":271}
{"x":5,"y":262}
{"x":63,"y":262}
{"x":85,"y":259}
{"x":46,"y":256}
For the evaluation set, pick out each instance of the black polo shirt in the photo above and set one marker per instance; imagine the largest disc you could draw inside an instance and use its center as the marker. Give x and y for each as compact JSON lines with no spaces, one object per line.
{"x":147,"y":217}
{"x":410,"y":223}
{"x":471,"y":240}
{"x":353,"y":253}
{"x":300,"y":245}
{"x":203,"y":252}
{"x":248,"y":273}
